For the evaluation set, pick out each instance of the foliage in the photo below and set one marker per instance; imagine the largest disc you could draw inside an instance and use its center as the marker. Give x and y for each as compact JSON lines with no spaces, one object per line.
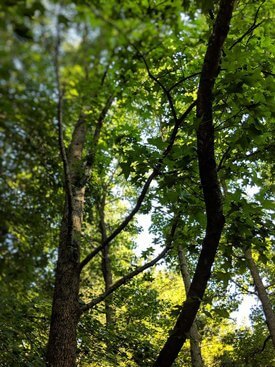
{"x":137,"y":55}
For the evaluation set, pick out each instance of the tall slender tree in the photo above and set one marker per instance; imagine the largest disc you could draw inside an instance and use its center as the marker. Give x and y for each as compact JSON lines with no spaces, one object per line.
{"x":210,"y":187}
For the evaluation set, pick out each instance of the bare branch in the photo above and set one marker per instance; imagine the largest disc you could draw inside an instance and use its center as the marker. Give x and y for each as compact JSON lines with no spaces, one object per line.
{"x":105,"y":73}
{"x":121,"y":227}
{"x":135,"y":272}
{"x":186,"y":113}
{"x":220,"y":125}
{"x":249,"y":31}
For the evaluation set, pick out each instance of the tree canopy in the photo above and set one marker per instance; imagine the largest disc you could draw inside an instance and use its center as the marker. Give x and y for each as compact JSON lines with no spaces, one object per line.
{"x":115,"y":109}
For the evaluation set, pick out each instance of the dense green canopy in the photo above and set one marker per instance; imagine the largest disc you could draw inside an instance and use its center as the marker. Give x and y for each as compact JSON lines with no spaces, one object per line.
{"x":103,"y":119}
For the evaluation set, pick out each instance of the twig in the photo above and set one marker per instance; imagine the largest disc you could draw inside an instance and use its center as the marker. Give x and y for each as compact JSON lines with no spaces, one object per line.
{"x":224,"y":156}
{"x":183,"y":80}
{"x":150,"y":74}
{"x":247,"y":291}
{"x":250,"y":29}
{"x":157,"y":81}
{"x":218,"y":127}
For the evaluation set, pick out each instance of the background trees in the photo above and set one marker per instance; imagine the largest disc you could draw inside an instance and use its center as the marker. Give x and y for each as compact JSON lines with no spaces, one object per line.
{"x":125,"y":70}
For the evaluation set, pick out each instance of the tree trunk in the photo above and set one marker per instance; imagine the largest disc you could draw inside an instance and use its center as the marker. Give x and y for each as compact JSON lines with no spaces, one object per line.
{"x":210,"y":186}
{"x":106,"y":265}
{"x":62,"y":344}
{"x":262,"y":294}
{"x":108,"y":280}
{"x":196,"y":357}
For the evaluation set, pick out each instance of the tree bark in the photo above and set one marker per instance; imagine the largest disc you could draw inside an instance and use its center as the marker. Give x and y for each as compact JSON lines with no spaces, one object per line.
{"x":210,"y":187}
{"x":262,"y":294}
{"x":196,"y":357}
{"x":62,"y":344}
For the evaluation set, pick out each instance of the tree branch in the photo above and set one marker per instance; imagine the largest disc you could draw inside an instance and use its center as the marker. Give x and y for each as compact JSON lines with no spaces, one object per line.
{"x":247,"y":291}
{"x":144,"y":190}
{"x":250,"y":29}
{"x":156,"y":80}
{"x":135,"y":272}
{"x":260,"y":350}
{"x":91,"y":156}
{"x":183,"y":80}
{"x":224,"y":156}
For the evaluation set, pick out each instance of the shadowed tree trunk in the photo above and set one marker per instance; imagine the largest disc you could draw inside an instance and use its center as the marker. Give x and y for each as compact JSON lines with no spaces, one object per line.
{"x":210,"y":187}
{"x":262,"y":294}
{"x":196,"y":357}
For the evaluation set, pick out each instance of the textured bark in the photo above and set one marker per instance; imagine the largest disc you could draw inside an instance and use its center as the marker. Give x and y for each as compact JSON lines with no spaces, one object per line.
{"x":262,"y":294}
{"x":196,"y":357}
{"x":62,"y":345}
{"x":210,"y":187}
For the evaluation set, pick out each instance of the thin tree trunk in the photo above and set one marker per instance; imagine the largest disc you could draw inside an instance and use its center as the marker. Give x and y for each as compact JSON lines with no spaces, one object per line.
{"x":262,"y":294}
{"x":210,"y":186}
{"x":62,"y":344}
{"x":108,"y":279}
{"x":106,"y":265}
{"x":196,"y":357}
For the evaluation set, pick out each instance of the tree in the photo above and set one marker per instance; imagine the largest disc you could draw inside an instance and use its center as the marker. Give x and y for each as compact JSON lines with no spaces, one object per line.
{"x":98,"y":125}
{"x":210,"y":186}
